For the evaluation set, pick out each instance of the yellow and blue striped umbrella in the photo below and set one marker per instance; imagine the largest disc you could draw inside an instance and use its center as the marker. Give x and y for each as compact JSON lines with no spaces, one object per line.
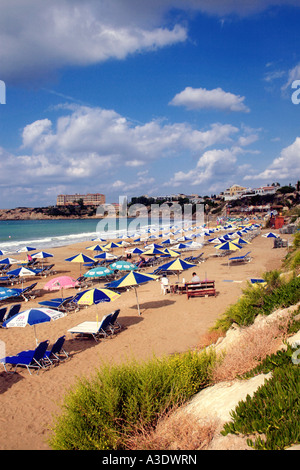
{"x":95,"y":296}
{"x":132,"y":279}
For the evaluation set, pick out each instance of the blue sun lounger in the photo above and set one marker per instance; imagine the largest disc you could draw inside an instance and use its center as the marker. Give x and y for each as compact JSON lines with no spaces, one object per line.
{"x":237,"y":259}
{"x":54,"y":354}
{"x":31,"y":359}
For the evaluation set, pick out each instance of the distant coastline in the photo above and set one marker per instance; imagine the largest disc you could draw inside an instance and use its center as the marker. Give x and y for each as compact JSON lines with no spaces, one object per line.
{"x":45,"y":213}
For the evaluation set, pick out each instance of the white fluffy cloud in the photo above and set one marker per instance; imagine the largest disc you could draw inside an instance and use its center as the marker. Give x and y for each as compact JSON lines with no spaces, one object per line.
{"x":95,"y":147}
{"x":201,"y":98}
{"x":39,"y":37}
{"x":285,"y":166}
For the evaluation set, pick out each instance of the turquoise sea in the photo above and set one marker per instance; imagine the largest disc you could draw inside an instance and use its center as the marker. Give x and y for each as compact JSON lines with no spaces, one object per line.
{"x":41,"y":234}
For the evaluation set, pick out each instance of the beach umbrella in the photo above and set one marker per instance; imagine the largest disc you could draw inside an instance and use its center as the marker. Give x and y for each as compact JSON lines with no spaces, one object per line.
{"x":22,"y":272}
{"x":181,"y":246}
{"x":105,"y":256}
{"x":3,"y":252}
{"x":229,"y":246}
{"x":240,"y":241}
{"x":96,"y":296}
{"x":6,"y":293}
{"x":171,"y":253}
{"x":112,"y":245}
{"x":80,"y":258}
{"x":9,"y":261}
{"x":96,"y":248}
{"x":33,"y":316}
{"x":177,"y":265}
{"x":60,"y":283}
{"x":270,"y":235}
{"x":133,"y":279}
{"x":122,"y":266}
{"x":136,"y":251}
{"x":25,"y":249}
{"x":99,"y":271}
{"x":42,"y":255}
{"x":153,"y":251}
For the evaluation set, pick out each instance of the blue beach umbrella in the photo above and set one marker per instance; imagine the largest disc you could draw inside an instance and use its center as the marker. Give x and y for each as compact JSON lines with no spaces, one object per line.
{"x":25,"y":249}
{"x":178,"y":265}
{"x":270,"y":235}
{"x":33,"y":316}
{"x":133,"y":279}
{"x":80,"y":258}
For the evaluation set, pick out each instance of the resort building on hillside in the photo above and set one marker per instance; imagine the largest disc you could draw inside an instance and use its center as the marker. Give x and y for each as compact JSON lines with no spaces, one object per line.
{"x":87,"y":199}
{"x":234,"y":192}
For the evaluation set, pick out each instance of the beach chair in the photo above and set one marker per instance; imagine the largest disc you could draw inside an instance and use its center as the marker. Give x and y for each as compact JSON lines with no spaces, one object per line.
{"x":3,"y":311}
{"x":27,"y":292}
{"x":54,"y":354}
{"x":31,"y":359}
{"x":14,"y":309}
{"x":9,"y":279}
{"x":93,"y":328}
{"x":114,"y":324}
{"x":241,"y":259}
{"x":66,"y":305}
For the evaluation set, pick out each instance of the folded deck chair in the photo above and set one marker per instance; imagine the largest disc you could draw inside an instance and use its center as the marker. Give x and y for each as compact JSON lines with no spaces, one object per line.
{"x":93,"y":328}
{"x":31,"y":359}
{"x":54,"y":354}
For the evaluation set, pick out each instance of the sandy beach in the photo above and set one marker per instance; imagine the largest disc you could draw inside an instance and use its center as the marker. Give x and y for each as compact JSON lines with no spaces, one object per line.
{"x":167,"y":324}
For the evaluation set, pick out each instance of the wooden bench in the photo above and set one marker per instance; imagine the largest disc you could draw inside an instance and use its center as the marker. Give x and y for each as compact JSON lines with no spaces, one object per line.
{"x":200,"y":289}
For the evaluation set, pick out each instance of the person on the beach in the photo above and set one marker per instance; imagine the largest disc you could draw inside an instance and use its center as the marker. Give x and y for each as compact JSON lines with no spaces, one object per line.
{"x":195,"y":278}
{"x":164,"y":283}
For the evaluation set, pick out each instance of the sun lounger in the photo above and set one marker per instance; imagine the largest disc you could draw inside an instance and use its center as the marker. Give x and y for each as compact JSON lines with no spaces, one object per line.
{"x":93,"y":328}
{"x":114,"y":324}
{"x":9,"y":279}
{"x":241,"y":259}
{"x":54,"y":354}
{"x":14,"y":309}
{"x":3,"y":311}
{"x":31,"y":359}
{"x":63,"y":305}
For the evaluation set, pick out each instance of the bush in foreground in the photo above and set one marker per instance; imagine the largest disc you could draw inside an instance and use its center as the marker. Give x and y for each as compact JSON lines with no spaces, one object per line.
{"x":101,"y":414}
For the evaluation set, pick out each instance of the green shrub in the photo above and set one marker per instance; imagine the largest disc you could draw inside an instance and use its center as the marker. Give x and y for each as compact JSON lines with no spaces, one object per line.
{"x":259,"y":300}
{"x":273,"y":411}
{"x":101,"y":413}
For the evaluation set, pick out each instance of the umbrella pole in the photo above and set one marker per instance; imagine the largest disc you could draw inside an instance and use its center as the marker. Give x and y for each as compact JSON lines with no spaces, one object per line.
{"x":137,"y":301}
{"x":36,"y":340}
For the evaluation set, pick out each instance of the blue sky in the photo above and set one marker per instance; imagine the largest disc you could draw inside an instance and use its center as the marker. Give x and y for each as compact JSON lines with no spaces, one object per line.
{"x":131,"y":97}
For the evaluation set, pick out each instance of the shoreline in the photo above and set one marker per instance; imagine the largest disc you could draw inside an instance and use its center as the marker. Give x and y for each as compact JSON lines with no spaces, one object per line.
{"x":168,"y":324}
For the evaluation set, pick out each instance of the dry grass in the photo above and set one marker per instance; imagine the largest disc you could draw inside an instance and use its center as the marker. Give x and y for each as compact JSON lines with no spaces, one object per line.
{"x":254,"y":344}
{"x":209,"y":338}
{"x":174,"y":431}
